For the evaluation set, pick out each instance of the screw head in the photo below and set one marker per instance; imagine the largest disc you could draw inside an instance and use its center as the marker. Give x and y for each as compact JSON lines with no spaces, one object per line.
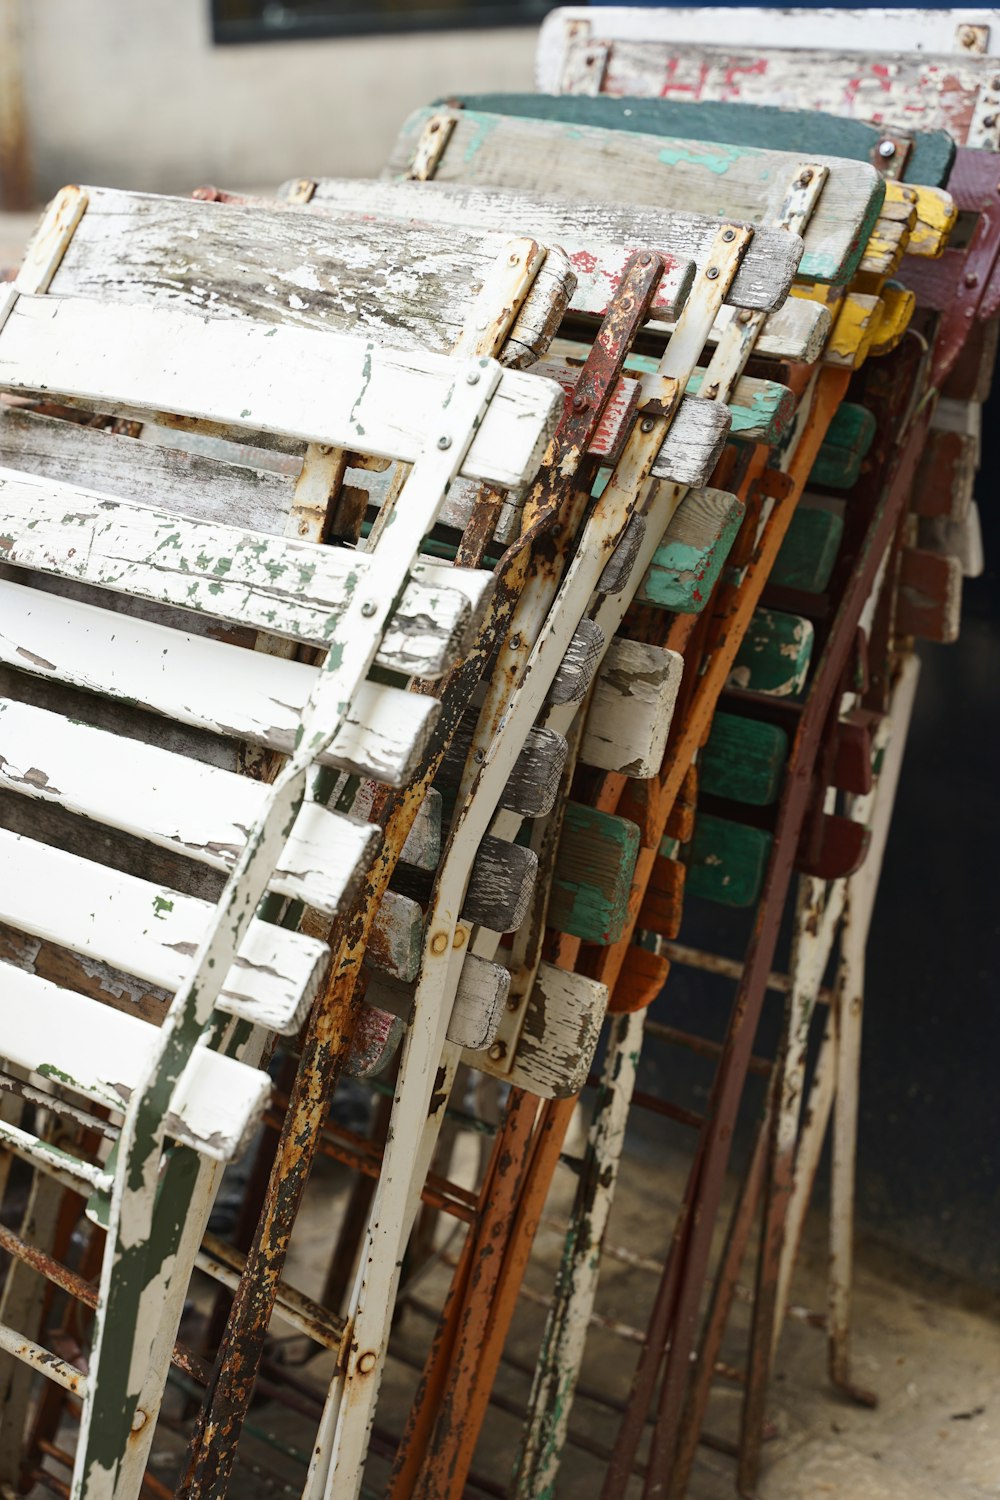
{"x":970,"y":278}
{"x":366,"y":1361}
{"x":645,"y":259}
{"x":886,"y":149}
{"x":472,"y":378}
{"x":580,"y":403}
{"x":646,"y":425}
{"x":513,"y":258}
{"x":729,"y":234}
{"x":439,"y":942}
{"x":514,"y":643}
{"x":444,"y":442}
{"x":712,"y":273}
{"x":479,"y":756}
{"x":368,"y":608}
{"x":805,"y":178}
{"x":498,"y":1051}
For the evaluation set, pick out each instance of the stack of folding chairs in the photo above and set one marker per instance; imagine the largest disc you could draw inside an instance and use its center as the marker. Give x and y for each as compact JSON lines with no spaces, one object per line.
{"x":533,"y":544}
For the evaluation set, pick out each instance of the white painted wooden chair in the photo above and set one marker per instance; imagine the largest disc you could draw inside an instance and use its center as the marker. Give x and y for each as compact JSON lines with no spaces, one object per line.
{"x":187,"y":1091}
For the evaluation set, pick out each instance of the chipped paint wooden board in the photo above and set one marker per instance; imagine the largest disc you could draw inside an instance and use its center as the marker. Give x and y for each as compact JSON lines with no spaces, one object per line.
{"x":479,"y":1001}
{"x":209,"y":684}
{"x":282,"y":266}
{"x":99,"y":1052}
{"x":560,"y":1036}
{"x":534,"y":782}
{"x":775,"y":654}
{"x":689,"y":559}
{"x":514,"y":156}
{"x":962,"y":540}
{"x":576,"y":670}
{"x":642,"y":53}
{"x":726,"y":861}
{"x":151,"y":932}
{"x":808,"y":553}
{"x":593,"y":874}
{"x":598,"y":264}
{"x":929,"y":602}
{"x":761,"y":125}
{"x":798,"y":330}
{"x":743,"y":759}
{"x":499,"y":888}
{"x":727,"y":181}
{"x":172,"y":361}
{"x":176,"y":803}
{"x":629,"y":716}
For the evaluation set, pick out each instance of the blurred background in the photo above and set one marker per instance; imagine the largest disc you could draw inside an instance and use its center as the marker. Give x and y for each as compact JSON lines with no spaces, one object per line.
{"x":169,"y":94}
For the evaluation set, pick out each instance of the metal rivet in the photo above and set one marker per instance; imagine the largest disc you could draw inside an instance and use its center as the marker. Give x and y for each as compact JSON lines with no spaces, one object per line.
{"x":139,"y":1420}
{"x":580,"y":403}
{"x":439,"y":942}
{"x":498,"y":1051}
{"x":805,"y":178}
{"x":744,"y":315}
{"x":479,"y":756}
{"x":472,"y":378}
{"x":368,"y":608}
{"x":729,"y":234}
{"x":970,"y":278}
{"x":444,"y":442}
{"x":323,"y":448}
{"x":513,"y":259}
{"x":990,"y":121}
{"x":712,"y":272}
{"x":515,"y":643}
{"x":366,"y":1362}
{"x":458,"y":941}
{"x":646,"y":259}
{"x":886,"y":149}
{"x":646,"y":425}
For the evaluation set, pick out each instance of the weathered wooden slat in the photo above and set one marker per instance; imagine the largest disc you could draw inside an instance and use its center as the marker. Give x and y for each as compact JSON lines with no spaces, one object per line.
{"x":946,"y":475}
{"x":196,"y":809}
{"x":278,"y":584}
{"x":248,"y":694}
{"x":479,"y":1001}
{"x":150,"y":931}
{"x":684,"y":176}
{"x":598,"y":265}
{"x":726,"y":861}
{"x":961,"y":539}
{"x":929,"y":603}
{"x":509,"y":156}
{"x":422,"y":845}
{"x":663,"y":904}
{"x":534,"y":782}
{"x":500,"y":885}
{"x":562,"y":1027}
{"x":577,"y":668}
{"x":297,"y":381}
{"x":593,"y":874}
{"x":394,"y":942}
{"x":797,"y":331}
{"x":99,"y":1052}
{"x":281,"y":265}
{"x":645,"y":53}
{"x":689,"y":559}
{"x":374,"y":1042}
{"x":808,"y":554}
{"x":775,"y":654}
{"x":743,"y":760}
{"x":762,"y":125}
{"x":630,"y":712}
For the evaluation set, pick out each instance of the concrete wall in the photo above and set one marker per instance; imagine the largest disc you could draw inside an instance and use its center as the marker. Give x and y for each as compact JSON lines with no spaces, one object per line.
{"x":132,"y":93}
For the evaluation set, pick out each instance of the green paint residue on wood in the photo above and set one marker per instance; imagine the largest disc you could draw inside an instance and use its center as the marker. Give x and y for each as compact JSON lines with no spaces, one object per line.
{"x":594,"y":868}
{"x":715,"y":157}
{"x":726,"y":861}
{"x":775,"y":654}
{"x":161,"y":905}
{"x":809,"y":551}
{"x":743,"y":760}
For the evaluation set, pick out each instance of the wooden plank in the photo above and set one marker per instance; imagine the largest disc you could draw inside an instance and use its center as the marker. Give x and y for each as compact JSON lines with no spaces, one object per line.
{"x":726,"y":861}
{"x":576,"y":670}
{"x":631,"y":709}
{"x":930,"y":90}
{"x":499,"y":889}
{"x":744,"y":759}
{"x":775,"y":654}
{"x":684,"y":175}
{"x":533,"y":784}
{"x":797,"y":331}
{"x":689,"y":559}
{"x":663,"y":904}
{"x":296,"y":381}
{"x":288,"y":266}
{"x":211,"y":685}
{"x":961,"y":539}
{"x":511,"y":157}
{"x":766,"y":126}
{"x":846,"y":445}
{"x":808,"y":553}
{"x":279,"y":584}
{"x":562,"y":1027}
{"x":479,"y":1002}
{"x":597,"y":262}
{"x":946,"y":475}
{"x":194,"y":808}
{"x":374,"y":1042}
{"x":593,"y":874}
{"x":396,"y":936}
{"x":101,"y":1053}
{"x":929,"y":602}
{"x":151,"y":932}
